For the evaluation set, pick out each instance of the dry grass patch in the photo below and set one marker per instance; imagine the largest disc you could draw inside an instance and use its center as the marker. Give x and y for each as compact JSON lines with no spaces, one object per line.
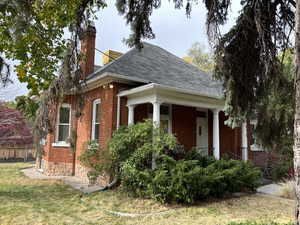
{"x":25,"y":201}
{"x":288,"y":189}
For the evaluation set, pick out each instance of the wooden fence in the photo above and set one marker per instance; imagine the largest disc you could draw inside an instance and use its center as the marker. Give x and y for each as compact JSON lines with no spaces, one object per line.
{"x":17,"y":153}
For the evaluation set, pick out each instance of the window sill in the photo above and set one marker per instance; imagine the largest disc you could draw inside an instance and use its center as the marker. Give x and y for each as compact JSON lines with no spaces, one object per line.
{"x":256,"y":149}
{"x":61,"y":144}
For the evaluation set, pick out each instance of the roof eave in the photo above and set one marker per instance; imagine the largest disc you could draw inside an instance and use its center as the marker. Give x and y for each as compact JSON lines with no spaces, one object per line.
{"x":164,"y":87}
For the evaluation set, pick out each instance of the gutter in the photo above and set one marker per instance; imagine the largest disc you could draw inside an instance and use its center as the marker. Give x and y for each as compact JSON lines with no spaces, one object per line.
{"x":118,"y":76}
{"x":164,"y":87}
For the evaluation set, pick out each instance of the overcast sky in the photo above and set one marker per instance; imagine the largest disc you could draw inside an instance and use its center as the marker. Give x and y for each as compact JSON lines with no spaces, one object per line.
{"x":174,"y":32}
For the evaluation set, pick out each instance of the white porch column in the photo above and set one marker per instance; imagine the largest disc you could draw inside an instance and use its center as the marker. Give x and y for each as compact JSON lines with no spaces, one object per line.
{"x":156,"y":124}
{"x":216,"y":134}
{"x":156,"y":113}
{"x":244,"y":142}
{"x":130,"y":114}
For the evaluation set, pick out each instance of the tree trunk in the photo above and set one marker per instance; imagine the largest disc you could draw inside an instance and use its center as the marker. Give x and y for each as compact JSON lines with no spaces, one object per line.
{"x":297,"y":118}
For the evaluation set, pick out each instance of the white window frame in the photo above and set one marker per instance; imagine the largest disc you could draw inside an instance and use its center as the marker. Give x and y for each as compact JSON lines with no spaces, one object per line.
{"x":255,"y":147}
{"x":95,"y":102}
{"x":165,"y":117}
{"x":62,"y":143}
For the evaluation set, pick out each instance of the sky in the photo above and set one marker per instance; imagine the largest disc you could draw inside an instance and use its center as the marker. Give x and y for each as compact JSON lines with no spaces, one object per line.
{"x":174,"y":32}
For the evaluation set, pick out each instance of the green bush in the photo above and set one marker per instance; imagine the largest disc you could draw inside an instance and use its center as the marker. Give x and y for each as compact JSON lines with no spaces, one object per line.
{"x":96,"y":159}
{"x":185,"y":181}
{"x":178,"y":176}
{"x":282,"y":170}
{"x":136,"y":143}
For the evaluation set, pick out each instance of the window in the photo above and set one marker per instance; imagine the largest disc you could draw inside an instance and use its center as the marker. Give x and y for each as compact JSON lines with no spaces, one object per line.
{"x":165,"y":118}
{"x":96,"y":120}
{"x":63,"y":125}
{"x":254,"y":144}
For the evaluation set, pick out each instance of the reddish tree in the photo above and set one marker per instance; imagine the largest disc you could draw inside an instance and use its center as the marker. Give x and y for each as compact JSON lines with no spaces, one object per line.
{"x":13,"y":127}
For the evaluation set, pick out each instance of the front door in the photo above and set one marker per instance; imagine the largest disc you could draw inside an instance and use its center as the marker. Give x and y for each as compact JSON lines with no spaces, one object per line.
{"x":202,"y":135}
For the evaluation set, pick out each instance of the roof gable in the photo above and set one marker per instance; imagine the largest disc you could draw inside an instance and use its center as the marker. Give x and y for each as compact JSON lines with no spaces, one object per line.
{"x":156,"y":65}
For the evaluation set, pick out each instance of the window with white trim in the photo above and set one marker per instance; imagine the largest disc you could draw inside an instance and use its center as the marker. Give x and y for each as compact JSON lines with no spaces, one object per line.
{"x":96,"y":119}
{"x":64,"y":123}
{"x":165,"y":117}
{"x":254,"y":144}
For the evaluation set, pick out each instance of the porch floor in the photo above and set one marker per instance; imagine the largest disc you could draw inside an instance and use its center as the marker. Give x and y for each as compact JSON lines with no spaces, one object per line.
{"x":73,"y":181}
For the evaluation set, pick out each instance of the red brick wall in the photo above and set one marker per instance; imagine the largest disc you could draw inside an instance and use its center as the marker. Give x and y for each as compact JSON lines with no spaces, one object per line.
{"x":123,"y":111}
{"x":184,"y":125}
{"x":88,"y":50}
{"x":229,"y":139}
{"x":84,"y":124}
{"x":108,"y":119}
{"x":140,"y":113}
{"x":59,"y":154}
{"x":259,"y":158}
{"x":210,"y":132}
{"x":183,"y":121}
{"x":108,"y":116}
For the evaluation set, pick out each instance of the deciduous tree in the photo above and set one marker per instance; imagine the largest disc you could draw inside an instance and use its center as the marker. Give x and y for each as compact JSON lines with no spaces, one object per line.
{"x":201,"y":57}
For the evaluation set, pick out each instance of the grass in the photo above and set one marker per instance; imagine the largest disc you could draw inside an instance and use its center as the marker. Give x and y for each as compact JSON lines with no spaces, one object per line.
{"x":25,"y":201}
{"x":288,"y":189}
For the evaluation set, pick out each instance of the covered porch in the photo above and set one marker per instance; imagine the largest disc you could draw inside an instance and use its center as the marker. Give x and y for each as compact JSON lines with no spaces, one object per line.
{"x":196,"y":120}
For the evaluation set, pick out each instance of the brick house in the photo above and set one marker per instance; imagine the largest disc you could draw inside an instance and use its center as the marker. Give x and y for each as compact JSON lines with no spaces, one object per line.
{"x":131,"y":87}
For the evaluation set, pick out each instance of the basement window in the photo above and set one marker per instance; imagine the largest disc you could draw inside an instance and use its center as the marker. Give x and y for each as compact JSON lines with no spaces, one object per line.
{"x":96,"y":120}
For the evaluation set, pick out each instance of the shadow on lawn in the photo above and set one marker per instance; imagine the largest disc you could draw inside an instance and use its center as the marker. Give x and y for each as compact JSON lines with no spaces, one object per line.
{"x":37,"y":192}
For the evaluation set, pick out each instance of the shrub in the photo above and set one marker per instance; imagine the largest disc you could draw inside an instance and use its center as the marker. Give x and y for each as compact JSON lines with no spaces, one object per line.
{"x":193,"y":178}
{"x":282,"y":170}
{"x":136,"y":143}
{"x":96,"y":159}
{"x":179,"y":176}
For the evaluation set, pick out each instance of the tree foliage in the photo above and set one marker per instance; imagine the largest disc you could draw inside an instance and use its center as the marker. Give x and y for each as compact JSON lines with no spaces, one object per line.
{"x":13,"y":127}
{"x":31,"y":31}
{"x":4,"y":72}
{"x":276,"y":110}
{"x":201,"y":58}
{"x":28,"y":106}
{"x":246,"y":56}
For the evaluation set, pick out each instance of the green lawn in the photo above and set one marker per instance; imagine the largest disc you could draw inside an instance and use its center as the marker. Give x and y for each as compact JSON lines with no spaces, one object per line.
{"x":26,"y":201}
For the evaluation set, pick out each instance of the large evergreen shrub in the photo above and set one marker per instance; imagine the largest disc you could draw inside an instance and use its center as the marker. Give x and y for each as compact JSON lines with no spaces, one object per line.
{"x":179,"y":176}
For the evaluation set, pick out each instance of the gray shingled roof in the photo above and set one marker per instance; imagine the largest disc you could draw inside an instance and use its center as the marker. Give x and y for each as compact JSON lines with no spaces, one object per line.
{"x":156,"y":65}
{"x":97,"y":67}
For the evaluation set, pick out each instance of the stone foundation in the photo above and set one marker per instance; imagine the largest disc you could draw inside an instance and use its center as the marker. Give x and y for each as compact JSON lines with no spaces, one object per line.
{"x":81,"y":172}
{"x":56,"y":168}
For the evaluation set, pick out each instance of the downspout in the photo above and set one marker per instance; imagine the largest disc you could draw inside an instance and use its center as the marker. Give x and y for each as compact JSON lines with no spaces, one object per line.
{"x":74,"y":133}
{"x":118,"y":111}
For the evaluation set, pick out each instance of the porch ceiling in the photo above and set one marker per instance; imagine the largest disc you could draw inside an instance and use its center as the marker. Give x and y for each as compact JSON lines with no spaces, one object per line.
{"x":165,"y":94}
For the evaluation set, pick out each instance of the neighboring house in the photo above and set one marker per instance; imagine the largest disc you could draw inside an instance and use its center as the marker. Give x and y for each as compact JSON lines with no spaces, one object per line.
{"x":16,"y":140}
{"x":151,"y":83}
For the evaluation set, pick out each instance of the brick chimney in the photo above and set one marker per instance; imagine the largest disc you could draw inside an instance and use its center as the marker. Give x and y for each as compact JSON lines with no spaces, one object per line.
{"x":87,"y":42}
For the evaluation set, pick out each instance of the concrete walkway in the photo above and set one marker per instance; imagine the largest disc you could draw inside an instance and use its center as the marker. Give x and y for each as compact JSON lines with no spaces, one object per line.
{"x":74,"y":182}
{"x":270,"y":189}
